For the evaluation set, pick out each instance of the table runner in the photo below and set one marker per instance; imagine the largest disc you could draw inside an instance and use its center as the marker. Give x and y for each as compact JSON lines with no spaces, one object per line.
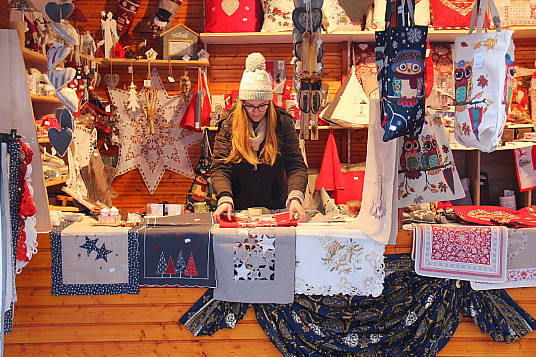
{"x":520,"y":264}
{"x":460,"y":252}
{"x":177,"y":251}
{"x":255,"y":265}
{"x":333,"y":260}
{"x":94,"y":260}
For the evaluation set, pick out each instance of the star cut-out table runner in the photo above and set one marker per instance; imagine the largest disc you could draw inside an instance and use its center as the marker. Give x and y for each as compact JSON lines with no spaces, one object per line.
{"x":460,"y":252}
{"x":177,"y":251}
{"x":152,"y":154}
{"x":94,"y":260}
{"x":255,"y":265}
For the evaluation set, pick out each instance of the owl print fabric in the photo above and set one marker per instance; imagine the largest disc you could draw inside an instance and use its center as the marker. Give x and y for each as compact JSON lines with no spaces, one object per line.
{"x":426,"y":168}
{"x":400,"y":56}
{"x":483,"y":74}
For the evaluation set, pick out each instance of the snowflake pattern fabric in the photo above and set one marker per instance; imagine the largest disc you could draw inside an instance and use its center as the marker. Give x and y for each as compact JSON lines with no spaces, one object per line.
{"x":152,"y":154}
{"x":458,"y":252}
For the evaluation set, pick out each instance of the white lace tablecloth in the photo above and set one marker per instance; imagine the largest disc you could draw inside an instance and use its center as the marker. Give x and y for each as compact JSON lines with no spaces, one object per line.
{"x":336,"y":260}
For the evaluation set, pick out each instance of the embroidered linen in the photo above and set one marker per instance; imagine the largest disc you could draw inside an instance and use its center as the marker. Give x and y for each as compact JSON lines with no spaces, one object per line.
{"x":526,"y":167}
{"x":337,"y":18}
{"x":277,"y":15}
{"x":414,"y":316}
{"x":517,"y":13}
{"x":426,"y":169}
{"x":521,"y":265}
{"x":177,"y":255}
{"x":94,"y":260}
{"x":255,"y":264}
{"x":493,"y":215}
{"x":378,"y":216}
{"x":331,"y":261}
{"x":152,"y":154}
{"x":458,"y":252}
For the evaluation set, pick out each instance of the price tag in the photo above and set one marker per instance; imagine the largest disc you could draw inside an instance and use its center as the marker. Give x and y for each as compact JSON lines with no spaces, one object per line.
{"x":147,"y":83}
{"x":479,"y":60}
{"x":130,"y":69}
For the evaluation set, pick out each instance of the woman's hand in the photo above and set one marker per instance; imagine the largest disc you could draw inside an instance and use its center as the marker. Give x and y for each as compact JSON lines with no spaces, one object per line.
{"x":296,"y":207}
{"x":221,"y":209}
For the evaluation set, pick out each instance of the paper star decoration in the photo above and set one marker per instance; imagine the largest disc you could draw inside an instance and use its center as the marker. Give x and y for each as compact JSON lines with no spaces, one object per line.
{"x":90,"y":245}
{"x":102,"y":253}
{"x":152,"y":154}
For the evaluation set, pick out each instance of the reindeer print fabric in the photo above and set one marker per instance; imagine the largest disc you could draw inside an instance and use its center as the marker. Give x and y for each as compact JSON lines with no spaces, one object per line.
{"x":331,"y":261}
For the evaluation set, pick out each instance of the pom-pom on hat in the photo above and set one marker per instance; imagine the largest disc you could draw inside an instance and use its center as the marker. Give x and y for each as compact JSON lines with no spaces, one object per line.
{"x":255,"y":83}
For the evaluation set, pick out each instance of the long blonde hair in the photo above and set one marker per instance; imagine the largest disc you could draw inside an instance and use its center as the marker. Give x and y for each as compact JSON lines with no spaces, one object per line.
{"x":240,"y":145}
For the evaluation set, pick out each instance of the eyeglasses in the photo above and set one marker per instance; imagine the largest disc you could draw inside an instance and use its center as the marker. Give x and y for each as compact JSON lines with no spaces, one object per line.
{"x":261,"y":108}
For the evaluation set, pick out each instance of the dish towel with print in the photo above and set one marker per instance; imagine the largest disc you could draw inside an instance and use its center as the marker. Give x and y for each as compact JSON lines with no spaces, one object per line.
{"x":526,"y":167}
{"x":378,"y":216}
{"x":177,"y":254}
{"x":520,"y":264}
{"x":336,"y":260}
{"x":460,"y":252}
{"x":426,"y":169}
{"x":330,"y":176}
{"x":255,"y":265}
{"x":94,"y":260}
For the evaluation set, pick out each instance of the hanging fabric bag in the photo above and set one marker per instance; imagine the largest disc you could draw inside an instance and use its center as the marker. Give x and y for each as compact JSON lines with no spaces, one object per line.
{"x":483,"y":64}
{"x":400,"y":56}
{"x":201,"y":189}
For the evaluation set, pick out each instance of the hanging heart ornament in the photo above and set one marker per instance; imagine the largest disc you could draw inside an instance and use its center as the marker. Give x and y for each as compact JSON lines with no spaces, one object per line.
{"x":60,"y":139}
{"x":111,"y":80}
{"x":230,"y":6}
{"x":61,"y":76}
{"x":65,"y":118}
{"x":58,"y":11}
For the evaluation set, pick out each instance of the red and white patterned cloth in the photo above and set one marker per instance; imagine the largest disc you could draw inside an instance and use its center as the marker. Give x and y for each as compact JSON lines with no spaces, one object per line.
{"x":521,"y":265}
{"x":461,"y":252}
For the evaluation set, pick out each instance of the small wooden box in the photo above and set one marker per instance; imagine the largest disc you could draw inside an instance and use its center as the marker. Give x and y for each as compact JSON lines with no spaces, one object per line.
{"x":179,"y":41}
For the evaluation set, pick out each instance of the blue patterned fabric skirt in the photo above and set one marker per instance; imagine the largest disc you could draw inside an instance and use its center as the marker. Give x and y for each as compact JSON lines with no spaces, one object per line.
{"x":414,"y":316}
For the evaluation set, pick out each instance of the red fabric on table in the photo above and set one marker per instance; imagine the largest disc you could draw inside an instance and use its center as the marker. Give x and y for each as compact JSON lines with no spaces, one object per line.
{"x":278,"y":220}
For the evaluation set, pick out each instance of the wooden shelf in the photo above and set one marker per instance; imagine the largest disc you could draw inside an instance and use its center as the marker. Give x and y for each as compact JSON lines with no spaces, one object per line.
{"x":55,"y":182}
{"x":32,"y":57}
{"x":357,"y":36}
{"x":44,"y":99}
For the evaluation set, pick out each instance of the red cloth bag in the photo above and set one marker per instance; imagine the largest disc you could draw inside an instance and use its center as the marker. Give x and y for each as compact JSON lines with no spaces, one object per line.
{"x":222,"y":17}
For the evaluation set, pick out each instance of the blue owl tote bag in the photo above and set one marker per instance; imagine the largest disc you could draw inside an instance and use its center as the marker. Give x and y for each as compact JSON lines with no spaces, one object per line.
{"x":426,"y":169}
{"x":400,"y":56}
{"x":483,"y":71}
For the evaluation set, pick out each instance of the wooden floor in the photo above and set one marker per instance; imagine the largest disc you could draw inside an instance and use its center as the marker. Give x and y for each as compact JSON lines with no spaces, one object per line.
{"x":146,"y":324}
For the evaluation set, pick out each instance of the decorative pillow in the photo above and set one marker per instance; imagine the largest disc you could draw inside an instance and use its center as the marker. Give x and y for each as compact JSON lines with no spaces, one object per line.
{"x":378,"y":16}
{"x":337,"y":18}
{"x":451,"y":14}
{"x":422,"y":12}
{"x":277,"y":15}
{"x":232,"y":16}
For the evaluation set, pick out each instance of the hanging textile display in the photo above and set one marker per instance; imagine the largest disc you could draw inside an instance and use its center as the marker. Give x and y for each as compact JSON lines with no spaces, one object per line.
{"x":400,"y":55}
{"x":152,"y":154}
{"x":461,"y":252}
{"x":520,"y":265}
{"x":378,"y":216}
{"x":102,"y":262}
{"x":332,"y":261}
{"x":426,"y":169}
{"x":350,"y":107}
{"x":413,"y":316}
{"x":177,"y":253}
{"x":16,"y":112}
{"x":330,"y":177}
{"x":308,"y":65}
{"x":197,"y":113}
{"x":525,"y":159}
{"x":481,"y":63}
{"x":255,"y":265}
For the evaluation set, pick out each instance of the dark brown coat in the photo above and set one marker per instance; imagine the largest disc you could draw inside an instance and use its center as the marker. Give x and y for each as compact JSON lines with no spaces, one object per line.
{"x":265,"y":186}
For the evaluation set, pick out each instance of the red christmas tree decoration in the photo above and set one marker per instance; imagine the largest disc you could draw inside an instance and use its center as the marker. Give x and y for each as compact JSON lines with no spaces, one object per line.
{"x":171,"y":267}
{"x":190,"y":268}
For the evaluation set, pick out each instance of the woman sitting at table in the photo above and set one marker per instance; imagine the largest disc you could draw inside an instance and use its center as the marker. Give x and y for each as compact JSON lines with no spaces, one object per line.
{"x":257,"y":158}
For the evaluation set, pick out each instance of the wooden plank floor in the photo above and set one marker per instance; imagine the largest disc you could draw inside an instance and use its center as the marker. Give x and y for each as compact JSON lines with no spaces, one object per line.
{"x":146,"y":324}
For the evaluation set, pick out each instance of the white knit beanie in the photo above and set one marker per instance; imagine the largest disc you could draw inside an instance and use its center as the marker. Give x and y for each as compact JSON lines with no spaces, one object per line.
{"x":255,"y":83}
